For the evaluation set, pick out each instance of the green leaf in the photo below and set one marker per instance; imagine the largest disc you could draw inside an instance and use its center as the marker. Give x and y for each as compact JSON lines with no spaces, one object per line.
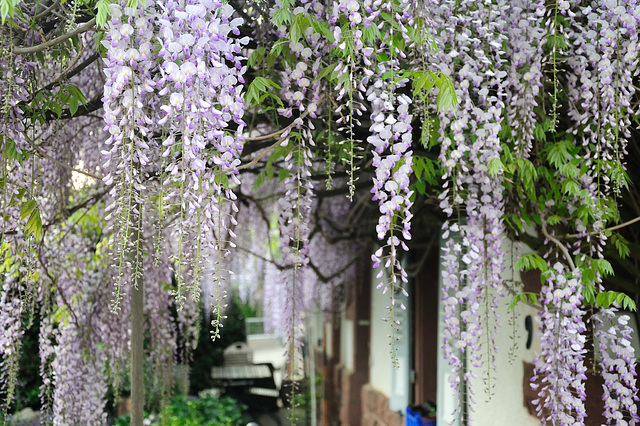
{"x":369,"y":34}
{"x":390,"y":19}
{"x":515,"y":300}
{"x":4,"y":10}
{"x":570,"y":187}
{"x":523,"y":297}
{"x":256,"y":57}
{"x":447,"y":99}
{"x":281,"y":17}
{"x":61,"y":315}
{"x":531,"y":261}
{"x":627,"y":303}
{"x":589,"y":292}
{"x":73,"y":106}
{"x":556,"y":41}
{"x":326,"y":71}
{"x":257,"y":88}
{"x":421,"y":187}
{"x":619,"y":176}
{"x":322,"y":28}
{"x":527,"y":173}
{"x":398,"y":41}
{"x":259,"y":180}
{"x":27,"y":208}
{"x":606,"y":298}
{"x":298,"y":27}
{"x":275,"y":51}
{"x":496,"y":167}
{"x":76,"y":93}
{"x":559,"y":153}
{"x":103,"y":12}
{"x":423,"y":80}
{"x":569,"y":170}
{"x":283,"y":174}
{"x":621,"y":244}
{"x":554,"y":219}
{"x":34,"y":224}
{"x":8,"y":9}
{"x":19,"y":195}
{"x":10,"y":150}
{"x":539,"y":134}
{"x":603,"y":266}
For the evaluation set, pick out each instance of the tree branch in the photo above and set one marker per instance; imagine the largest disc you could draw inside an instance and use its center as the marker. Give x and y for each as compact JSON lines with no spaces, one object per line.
{"x":557,"y":242}
{"x":613,"y":228}
{"x":340,"y":271}
{"x":64,"y":37}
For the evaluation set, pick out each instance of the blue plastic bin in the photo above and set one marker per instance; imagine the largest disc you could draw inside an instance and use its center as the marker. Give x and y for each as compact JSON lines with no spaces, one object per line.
{"x":415,"y":419}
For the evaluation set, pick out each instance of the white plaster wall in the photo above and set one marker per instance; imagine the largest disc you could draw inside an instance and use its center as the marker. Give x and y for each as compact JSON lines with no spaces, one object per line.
{"x":380,"y":358}
{"x":346,"y":342}
{"x":329,"y":339}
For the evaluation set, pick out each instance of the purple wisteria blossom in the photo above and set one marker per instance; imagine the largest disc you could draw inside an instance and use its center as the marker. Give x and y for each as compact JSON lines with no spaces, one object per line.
{"x":559,"y":367}
{"x":473,"y":195}
{"x":618,"y":366}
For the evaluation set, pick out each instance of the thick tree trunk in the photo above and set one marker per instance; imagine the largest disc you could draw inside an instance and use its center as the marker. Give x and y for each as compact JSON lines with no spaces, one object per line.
{"x":136,"y":360}
{"x":137,"y":354}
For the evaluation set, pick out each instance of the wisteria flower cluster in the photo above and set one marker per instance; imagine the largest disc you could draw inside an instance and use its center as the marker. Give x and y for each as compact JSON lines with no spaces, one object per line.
{"x":473,"y":196}
{"x":128,"y":87}
{"x":302,"y":94}
{"x":560,"y":371}
{"x":392,"y":158}
{"x":202,"y":74}
{"x":618,"y":361}
{"x":11,"y":310}
{"x":191,"y":101}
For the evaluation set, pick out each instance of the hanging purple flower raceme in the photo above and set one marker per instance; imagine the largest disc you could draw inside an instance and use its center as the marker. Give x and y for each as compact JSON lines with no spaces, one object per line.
{"x":78,"y":360}
{"x":347,"y":21}
{"x":46,"y":347}
{"x":454,"y":334}
{"x":161,"y":328}
{"x":14,"y":71}
{"x":294,"y":209}
{"x":483,"y":237}
{"x":273,"y":287}
{"x":294,"y":226}
{"x":203,"y":98}
{"x":80,"y":391}
{"x":603,"y":61}
{"x":472,"y":192}
{"x":618,"y":366}
{"x":129,"y":85}
{"x":524,"y":77}
{"x":11,"y":311}
{"x":559,"y":367}
{"x":392,"y":158}
{"x":391,"y":138}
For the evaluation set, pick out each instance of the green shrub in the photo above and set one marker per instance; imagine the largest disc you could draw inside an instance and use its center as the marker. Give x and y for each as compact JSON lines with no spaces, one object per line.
{"x":205,"y":411}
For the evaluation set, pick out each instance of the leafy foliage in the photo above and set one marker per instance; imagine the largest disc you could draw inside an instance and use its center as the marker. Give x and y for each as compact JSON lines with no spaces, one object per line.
{"x":203,"y":411}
